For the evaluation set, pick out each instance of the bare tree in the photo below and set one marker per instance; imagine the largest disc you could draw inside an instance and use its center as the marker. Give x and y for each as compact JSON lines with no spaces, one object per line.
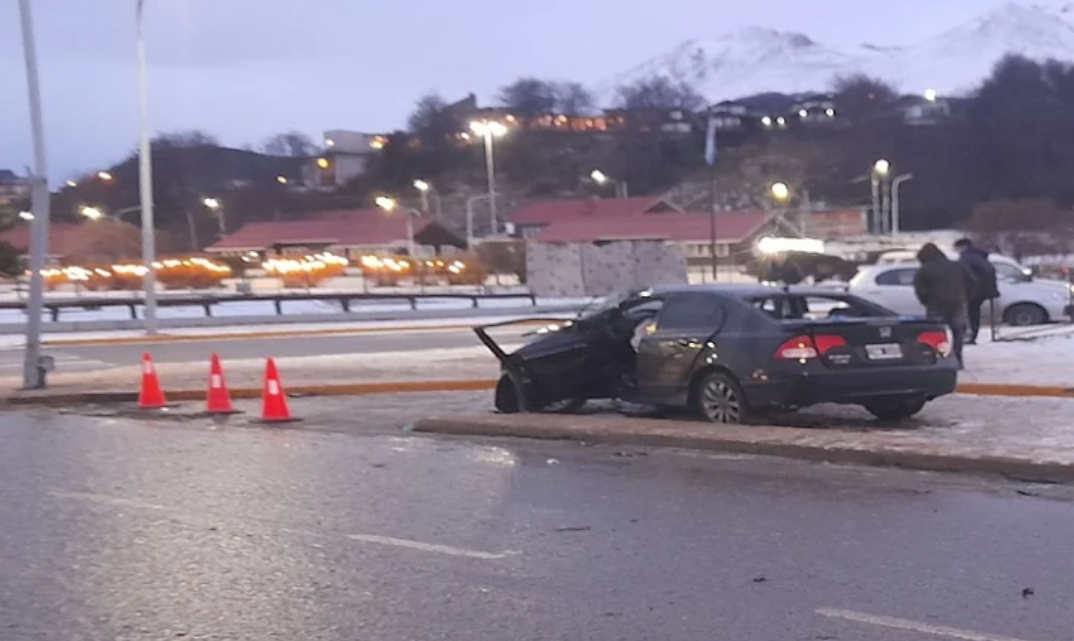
{"x":192,"y":138}
{"x":859,"y":96}
{"x":1023,"y":227}
{"x":530,"y":97}
{"x":659,"y":93}
{"x":427,"y":113}
{"x":573,"y":98}
{"x":294,"y":144}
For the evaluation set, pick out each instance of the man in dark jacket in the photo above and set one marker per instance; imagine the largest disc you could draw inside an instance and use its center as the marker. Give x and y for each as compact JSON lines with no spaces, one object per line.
{"x":942,"y":286}
{"x":986,"y":286}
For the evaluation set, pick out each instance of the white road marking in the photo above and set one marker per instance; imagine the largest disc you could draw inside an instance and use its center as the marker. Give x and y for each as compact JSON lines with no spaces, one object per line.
{"x":104,"y":499}
{"x":913,"y":626}
{"x":429,"y":547}
{"x":202,"y":519}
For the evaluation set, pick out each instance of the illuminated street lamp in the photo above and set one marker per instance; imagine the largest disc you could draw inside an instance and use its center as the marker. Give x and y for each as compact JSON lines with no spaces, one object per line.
{"x":105,"y":176}
{"x":217,"y":208}
{"x":882,"y":167}
{"x":93,"y":213}
{"x":780,"y":192}
{"x":71,"y":183}
{"x":490,"y":129}
{"x":423,"y":188}
{"x":26,"y":215}
{"x":389,"y":205}
{"x":931,"y":95}
{"x":281,"y":179}
{"x":602,"y":178}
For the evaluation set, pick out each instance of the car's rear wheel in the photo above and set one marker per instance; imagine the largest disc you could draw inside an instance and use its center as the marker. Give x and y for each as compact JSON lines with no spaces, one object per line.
{"x":896,"y":410}
{"x":718,"y":398}
{"x":1025,"y":314}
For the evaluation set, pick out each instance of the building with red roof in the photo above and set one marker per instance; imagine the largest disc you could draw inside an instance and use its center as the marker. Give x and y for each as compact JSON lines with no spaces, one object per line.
{"x":351,"y":232}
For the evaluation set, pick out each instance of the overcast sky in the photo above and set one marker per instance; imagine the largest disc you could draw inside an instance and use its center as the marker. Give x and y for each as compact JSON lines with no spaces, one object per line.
{"x":243,"y":69}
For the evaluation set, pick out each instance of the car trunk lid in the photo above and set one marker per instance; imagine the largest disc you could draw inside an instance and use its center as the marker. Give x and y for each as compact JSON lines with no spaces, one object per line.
{"x":868,"y":342}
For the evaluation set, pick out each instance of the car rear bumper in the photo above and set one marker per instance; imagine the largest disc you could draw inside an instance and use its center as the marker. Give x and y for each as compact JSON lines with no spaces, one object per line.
{"x":851,"y":387}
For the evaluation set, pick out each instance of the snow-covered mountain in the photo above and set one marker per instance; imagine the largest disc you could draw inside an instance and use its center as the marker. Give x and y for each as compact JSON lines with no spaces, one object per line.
{"x":757,"y":60}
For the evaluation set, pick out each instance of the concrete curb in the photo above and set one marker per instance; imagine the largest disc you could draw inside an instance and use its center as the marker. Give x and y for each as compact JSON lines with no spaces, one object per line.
{"x":62,"y":399}
{"x":59,"y":398}
{"x":744,"y":440}
{"x":1004,"y":389}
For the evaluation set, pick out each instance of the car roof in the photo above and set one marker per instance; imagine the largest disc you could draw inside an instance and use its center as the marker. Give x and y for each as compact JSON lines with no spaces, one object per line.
{"x":749,"y":291}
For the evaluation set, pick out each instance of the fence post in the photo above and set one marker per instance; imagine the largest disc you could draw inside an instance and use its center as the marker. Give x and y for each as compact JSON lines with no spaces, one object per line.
{"x":345,"y":303}
{"x":278,"y":303}
{"x":54,"y":313}
{"x":134,"y":311}
{"x":208,"y":309}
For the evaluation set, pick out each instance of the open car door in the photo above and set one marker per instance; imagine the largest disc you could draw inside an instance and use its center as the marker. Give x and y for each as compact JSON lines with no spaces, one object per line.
{"x":562,"y":361}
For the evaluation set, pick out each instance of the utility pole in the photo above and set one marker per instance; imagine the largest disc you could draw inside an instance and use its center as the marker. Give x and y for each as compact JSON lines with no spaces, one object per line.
{"x":145,"y":180}
{"x":33,"y":372}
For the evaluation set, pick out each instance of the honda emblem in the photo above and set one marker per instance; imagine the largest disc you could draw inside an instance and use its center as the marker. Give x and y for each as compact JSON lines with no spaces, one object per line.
{"x":885,"y":332}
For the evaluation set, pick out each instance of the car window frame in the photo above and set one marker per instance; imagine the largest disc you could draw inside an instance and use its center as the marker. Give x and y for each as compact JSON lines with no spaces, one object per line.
{"x":896,"y":270}
{"x":669,"y":302}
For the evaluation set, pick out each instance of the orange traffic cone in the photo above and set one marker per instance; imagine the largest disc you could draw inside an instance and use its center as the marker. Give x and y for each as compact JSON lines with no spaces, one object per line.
{"x":273,"y":399}
{"x":152,"y":395}
{"x":218,"y":399}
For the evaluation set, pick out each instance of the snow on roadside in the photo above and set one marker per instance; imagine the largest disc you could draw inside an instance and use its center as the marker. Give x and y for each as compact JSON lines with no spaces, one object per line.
{"x":1048,"y":360}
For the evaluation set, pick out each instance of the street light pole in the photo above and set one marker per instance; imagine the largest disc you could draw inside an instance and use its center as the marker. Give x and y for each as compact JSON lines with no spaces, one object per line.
{"x":470,"y":218}
{"x":33,"y":373}
{"x":145,"y":180}
{"x":895,"y":217}
{"x":490,"y":166}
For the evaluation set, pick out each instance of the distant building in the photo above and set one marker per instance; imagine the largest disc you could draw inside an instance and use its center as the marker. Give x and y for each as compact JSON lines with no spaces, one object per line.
{"x":351,"y":233}
{"x":13,"y":188}
{"x":346,"y":156}
{"x":929,"y":110}
{"x":816,"y":109}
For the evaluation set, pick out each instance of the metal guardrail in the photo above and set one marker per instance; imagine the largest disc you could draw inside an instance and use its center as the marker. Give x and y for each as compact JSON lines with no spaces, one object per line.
{"x":346,"y":301}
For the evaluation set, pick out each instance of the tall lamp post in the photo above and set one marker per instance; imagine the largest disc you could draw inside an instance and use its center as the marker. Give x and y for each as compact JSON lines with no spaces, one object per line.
{"x":389,"y":205}
{"x":145,"y":180}
{"x":781,"y":195}
{"x":34,"y":369}
{"x":217,"y":208}
{"x":881,"y":170}
{"x":896,"y":218}
{"x":489,"y":130}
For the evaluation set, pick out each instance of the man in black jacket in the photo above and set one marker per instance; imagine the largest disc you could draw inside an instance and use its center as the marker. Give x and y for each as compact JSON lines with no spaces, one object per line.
{"x":942,"y":287}
{"x":985,"y":286}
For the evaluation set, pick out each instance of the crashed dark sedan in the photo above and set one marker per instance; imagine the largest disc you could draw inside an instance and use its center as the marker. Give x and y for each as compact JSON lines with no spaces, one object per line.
{"x":730,"y":352}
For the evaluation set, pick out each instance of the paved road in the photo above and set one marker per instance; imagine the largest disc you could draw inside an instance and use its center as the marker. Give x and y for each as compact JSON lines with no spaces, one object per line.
{"x":114,"y":530}
{"x":91,"y":357}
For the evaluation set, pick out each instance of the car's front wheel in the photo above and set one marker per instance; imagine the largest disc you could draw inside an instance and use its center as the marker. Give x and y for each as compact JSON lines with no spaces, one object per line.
{"x":718,"y":398}
{"x":896,"y":410}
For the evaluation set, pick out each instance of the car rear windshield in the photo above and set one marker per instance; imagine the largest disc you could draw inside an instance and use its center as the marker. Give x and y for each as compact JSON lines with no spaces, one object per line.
{"x":815,"y":307}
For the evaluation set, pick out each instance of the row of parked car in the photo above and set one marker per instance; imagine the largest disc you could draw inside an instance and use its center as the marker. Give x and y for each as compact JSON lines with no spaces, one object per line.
{"x":1024,"y":300}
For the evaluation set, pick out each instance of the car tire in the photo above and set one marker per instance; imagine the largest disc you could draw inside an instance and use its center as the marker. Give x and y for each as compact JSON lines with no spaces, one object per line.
{"x":718,"y":398}
{"x":507,"y":398}
{"x":1024,"y":315}
{"x":895,"y":410}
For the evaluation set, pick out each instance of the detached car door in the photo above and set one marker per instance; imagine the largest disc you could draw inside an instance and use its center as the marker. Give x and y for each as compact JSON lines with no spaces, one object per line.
{"x":672,"y":343}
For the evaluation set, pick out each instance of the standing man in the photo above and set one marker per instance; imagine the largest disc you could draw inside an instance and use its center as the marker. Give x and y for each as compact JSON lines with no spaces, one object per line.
{"x":942,"y":286}
{"x":985,"y":287}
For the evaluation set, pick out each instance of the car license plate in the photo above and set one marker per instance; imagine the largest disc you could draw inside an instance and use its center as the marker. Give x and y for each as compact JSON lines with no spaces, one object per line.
{"x":884,"y":352}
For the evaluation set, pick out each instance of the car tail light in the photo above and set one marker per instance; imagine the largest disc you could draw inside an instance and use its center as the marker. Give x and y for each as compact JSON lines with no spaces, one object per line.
{"x":939,"y":341}
{"x":803,"y":347}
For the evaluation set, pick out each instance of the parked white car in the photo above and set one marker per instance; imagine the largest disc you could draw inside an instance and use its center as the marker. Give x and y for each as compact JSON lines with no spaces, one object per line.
{"x":1024,"y":300}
